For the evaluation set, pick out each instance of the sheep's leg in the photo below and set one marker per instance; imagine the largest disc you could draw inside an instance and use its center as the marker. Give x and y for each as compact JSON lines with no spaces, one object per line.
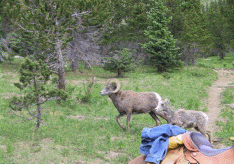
{"x":117,"y":119}
{"x":129,"y":116}
{"x":156,"y":119}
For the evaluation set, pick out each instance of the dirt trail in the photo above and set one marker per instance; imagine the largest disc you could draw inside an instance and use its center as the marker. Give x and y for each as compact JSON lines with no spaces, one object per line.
{"x":214,"y":101}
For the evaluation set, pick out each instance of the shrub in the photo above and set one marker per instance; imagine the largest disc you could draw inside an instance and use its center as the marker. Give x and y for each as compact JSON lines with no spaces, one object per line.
{"x":88,"y":85}
{"x":122,"y":62}
{"x":36,"y":90}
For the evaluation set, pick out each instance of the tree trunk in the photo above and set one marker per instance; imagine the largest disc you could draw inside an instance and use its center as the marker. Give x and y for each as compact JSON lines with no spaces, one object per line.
{"x":194,"y":56}
{"x":221,"y":51}
{"x":38,"y":105}
{"x":87,"y":65}
{"x":38,"y":113}
{"x":74,"y":64}
{"x":221,"y":55}
{"x":119,"y":73}
{"x":61,"y":71}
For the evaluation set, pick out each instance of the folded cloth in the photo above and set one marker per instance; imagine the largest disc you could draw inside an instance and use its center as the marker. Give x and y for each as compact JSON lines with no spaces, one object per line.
{"x":175,"y":141}
{"x":156,"y":140}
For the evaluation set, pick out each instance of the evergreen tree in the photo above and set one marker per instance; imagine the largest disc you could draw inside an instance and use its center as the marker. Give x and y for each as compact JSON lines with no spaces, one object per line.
{"x":128,"y":21}
{"x":194,"y":36}
{"x":229,"y":15}
{"x":45,"y":27}
{"x":218,"y":29}
{"x":175,"y":10}
{"x":188,"y":26}
{"x":122,"y":62}
{"x":6,"y":30}
{"x":124,"y":25}
{"x":160,"y":44}
{"x":34,"y":78}
{"x":194,"y":24}
{"x":1,"y":39}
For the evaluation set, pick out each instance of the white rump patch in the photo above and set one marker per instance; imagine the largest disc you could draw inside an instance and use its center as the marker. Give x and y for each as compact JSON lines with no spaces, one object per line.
{"x":206,"y":117}
{"x":159,"y":101}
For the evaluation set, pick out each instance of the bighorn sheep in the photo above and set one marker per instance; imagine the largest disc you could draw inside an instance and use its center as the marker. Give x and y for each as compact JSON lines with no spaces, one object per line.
{"x":184,"y":118}
{"x":130,"y":102}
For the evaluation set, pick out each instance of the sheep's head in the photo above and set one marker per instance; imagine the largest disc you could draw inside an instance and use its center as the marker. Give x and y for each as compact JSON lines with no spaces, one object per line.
{"x":112,"y":86}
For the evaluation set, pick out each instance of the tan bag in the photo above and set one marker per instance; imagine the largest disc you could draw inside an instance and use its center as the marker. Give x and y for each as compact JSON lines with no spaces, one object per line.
{"x":173,"y":156}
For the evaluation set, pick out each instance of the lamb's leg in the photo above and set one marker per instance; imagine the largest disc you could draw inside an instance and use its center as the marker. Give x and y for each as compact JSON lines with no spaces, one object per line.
{"x":156,"y":119}
{"x":209,"y":135}
{"x":205,"y":133}
{"x":117,"y":119}
{"x":129,"y":116}
{"x":184,"y":125}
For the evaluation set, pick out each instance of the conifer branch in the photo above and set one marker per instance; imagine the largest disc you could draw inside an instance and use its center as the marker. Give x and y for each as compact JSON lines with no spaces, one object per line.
{"x":25,"y":5}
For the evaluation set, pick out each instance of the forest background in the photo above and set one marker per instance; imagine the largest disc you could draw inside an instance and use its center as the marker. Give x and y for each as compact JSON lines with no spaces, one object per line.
{"x":138,"y":40}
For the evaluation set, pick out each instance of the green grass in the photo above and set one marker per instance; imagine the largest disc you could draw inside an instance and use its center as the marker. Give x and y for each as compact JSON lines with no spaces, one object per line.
{"x":78,"y":132}
{"x":216,"y":62}
{"x":228,"y":114}
{"x":228,"y":96}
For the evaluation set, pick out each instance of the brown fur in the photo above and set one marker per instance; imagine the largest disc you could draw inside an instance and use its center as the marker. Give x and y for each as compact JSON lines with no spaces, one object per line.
{"x":129,"y":102}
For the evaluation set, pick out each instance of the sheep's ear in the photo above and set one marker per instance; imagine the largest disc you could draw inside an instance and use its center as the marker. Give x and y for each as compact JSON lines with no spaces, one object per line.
{"x":167,"y":100}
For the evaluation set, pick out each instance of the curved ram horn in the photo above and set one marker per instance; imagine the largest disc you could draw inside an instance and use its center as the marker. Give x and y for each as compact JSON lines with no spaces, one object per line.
{"x":117,"y":82}
{"x":107,"y":82}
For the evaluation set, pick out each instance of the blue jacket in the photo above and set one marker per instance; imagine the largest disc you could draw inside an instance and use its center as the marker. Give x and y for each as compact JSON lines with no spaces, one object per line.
{"x":155,"y":141}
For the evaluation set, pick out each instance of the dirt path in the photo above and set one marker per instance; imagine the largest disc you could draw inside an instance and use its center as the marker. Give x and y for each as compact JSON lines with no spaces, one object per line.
{"x":214,"y":101}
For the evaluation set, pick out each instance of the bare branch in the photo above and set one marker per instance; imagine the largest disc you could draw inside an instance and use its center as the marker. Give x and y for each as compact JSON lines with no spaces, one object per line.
{"x":35,"y":116}
{"x":24,"y":118}
{"x":33,"y":4}
{"x":24,"y":28}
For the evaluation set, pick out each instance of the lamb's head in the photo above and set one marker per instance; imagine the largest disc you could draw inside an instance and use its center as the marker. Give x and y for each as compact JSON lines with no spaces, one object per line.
{"x":164,"y":106}
{"x":112,"y":86}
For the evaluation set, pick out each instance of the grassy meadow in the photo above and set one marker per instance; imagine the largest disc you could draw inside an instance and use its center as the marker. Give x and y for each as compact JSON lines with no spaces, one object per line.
{"x":227,"y":97}
{"x":228,"y":114}
{"x":77,"y":132}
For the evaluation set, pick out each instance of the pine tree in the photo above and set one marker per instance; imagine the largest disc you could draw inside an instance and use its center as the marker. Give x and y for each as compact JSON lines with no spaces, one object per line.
{"x":160,"y":44}
{"x":194,"y":36}
{"x":175,"y":10}
{"x":125,"y":25}
{"x":229,"y":15}
{"x":45,"y":26}
{"x":1,"y":39}
{"x":194,"y":23}
{"x":218,"y":29}
{"x":34,"y":78}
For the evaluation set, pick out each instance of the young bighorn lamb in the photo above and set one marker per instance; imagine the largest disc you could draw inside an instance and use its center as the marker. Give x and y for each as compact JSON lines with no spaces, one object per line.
{"x":185,"y":118}
{"x":129,"y":102}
